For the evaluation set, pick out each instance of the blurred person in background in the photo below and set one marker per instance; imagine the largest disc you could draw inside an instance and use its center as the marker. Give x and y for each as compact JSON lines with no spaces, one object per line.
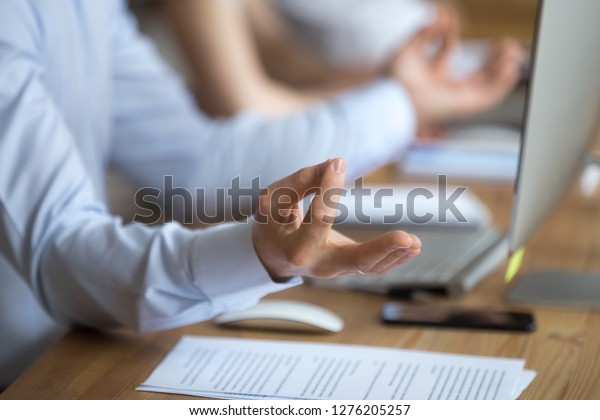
{"x":280,"y":56}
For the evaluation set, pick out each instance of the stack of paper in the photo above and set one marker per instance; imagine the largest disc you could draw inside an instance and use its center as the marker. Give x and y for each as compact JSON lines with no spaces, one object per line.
{"x":261,"y":369}
{"x":470,"y":153}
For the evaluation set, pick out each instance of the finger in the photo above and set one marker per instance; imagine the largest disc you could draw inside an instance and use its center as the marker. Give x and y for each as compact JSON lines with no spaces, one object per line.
{"x":364,"y":256}
{"x":512,"y":48}
{"x":396,"y":264}
{"x":450,"y":33}
{"x":380,"y":270}
{"x":296,"y":186}
{"x":505,"y":60}
{"x":400,"y":255}
{"x":323,"y":209}
{"x":491,"y":84}
{"x":391,"y":260}
{"x":512,"y":59}
{"x":429,"y":33}
{"x":416,"y":242}
{"x":498,"y":83}
{"x":390,"y":264}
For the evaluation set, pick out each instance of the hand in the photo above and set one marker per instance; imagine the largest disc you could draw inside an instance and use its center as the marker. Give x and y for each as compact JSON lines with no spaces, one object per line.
{"x":437,"y":96}
{"x":289,"y":244}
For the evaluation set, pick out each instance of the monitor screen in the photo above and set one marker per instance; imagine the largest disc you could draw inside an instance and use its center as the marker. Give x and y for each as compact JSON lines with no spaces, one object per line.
{"x":562,"y":112}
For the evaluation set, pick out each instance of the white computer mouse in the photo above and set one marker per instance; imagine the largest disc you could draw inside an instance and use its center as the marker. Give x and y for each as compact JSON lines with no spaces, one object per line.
{"x":281,"y":313}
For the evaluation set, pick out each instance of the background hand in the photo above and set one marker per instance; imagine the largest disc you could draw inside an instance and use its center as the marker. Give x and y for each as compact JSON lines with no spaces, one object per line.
{"x":290,"y":244}
{"x":422,"y":66}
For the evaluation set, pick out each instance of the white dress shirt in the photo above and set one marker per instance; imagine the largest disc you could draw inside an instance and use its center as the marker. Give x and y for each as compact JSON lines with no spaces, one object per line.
{"x":80,"y":90}
{"x":355,"y":33}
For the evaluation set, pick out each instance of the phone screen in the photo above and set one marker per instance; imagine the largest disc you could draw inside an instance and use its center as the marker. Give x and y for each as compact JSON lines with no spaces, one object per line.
{"x":435,"y":316}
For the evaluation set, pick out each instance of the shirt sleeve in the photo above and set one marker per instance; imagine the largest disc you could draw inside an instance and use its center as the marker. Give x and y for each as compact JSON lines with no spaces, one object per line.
{"x":84,"y":265}
{"x":158,"y":123}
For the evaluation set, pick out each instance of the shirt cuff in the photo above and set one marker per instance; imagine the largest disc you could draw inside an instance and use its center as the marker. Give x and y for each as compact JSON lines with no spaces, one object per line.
{"x":227,"y":270}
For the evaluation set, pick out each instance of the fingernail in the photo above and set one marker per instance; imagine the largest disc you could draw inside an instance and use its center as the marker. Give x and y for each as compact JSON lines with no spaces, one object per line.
{"x":339,"y":166}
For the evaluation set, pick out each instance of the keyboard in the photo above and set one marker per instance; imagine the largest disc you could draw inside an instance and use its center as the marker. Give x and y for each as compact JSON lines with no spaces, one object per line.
{"x":451,"y":262}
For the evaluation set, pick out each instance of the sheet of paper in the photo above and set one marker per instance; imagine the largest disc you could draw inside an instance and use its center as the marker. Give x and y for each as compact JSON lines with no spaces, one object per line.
{"x":526,"y":378}
{"x":240,"y":368}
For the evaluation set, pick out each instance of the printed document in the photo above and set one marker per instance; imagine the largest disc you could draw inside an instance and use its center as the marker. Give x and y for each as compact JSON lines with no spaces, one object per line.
{"x":264,"y":369}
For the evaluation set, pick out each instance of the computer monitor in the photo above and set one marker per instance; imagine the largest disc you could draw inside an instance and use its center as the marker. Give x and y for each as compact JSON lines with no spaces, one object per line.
{"x":561,"y":121}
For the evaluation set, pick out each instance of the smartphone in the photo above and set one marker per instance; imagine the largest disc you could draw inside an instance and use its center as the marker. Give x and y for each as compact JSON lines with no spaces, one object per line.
{"x":435,"y":316}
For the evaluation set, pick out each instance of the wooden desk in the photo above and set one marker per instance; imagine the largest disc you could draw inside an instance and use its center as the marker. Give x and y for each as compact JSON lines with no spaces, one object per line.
{"x":497,"y":18}
{"x":564,"y":350}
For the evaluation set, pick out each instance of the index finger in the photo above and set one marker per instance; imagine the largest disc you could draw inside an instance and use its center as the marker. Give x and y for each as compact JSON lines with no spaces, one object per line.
{"x":449,"y":31}
{"x":323,"y":209}
{"x":301,"y":183}
{"x":429,"y":33}
{"x":280,"y":199}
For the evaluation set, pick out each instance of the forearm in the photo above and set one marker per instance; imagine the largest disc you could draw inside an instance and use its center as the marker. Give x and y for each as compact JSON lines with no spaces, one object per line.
{"x":149,"y":279}
{"x":218,"y":47}
{"x":281,"y":98}
{"x":228,"y":73}
{"x":368,"y":127}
